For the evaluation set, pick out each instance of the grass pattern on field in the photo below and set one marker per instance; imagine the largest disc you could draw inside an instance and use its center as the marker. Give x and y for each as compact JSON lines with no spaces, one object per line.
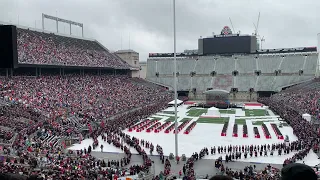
{"x":171,"y":119}
{"x":259,"y":123}
{"x":185,"y":119}
{"x":240,"y":121}
{"x":227,"y":111}
{"x":155,"y":117}
{"x":257,"y":118}
{"x":168,"y":112}
{"x":220,"y":120}
{"x":255,"y":112}
{"x":194,"y":112}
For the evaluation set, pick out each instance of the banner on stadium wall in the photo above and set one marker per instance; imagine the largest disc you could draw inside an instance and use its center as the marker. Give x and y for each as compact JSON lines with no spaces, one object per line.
{"x":262,"y":51}
{"x":172,"y":54}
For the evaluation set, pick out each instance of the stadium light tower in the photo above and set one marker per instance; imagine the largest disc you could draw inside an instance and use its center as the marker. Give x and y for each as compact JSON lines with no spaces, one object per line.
{"x":318,"y":51}
{"x":175,"y":79}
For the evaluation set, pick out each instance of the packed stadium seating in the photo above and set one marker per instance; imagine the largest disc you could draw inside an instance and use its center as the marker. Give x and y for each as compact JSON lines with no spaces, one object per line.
{"x":104,"y":96}
{"x":304,"y":97}
{"x":290,"y":104}
{"x":246,"y":65}
{"x":52,"y":108}
{"x":43,"y":48}
{"x":15,"y":119}
{"x":96,"y":96}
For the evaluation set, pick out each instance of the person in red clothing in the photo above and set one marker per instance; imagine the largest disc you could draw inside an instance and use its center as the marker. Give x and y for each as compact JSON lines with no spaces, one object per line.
{"x":180,"y":173}
{"x":178,"y":159}
{"x":115,"y":177}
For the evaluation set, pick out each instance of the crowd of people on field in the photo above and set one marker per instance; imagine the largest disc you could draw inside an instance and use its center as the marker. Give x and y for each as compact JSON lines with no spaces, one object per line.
{"x":235,"y":152}
{"x":288,"y":105}
{"x":47,"y":48}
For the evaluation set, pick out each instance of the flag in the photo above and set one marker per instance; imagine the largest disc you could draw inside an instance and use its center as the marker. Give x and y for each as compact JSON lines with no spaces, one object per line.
{"x":102,"y":124}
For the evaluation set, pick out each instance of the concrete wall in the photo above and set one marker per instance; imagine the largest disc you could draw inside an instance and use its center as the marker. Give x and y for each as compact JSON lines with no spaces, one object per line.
{"x":130,"y":56}
{"x":143,"y":70}
{"x":290,"y":65}
{"x":135,"y":73}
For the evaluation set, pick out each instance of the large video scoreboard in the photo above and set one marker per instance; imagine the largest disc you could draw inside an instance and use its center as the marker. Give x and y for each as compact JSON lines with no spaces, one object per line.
{"x":227,"y":45}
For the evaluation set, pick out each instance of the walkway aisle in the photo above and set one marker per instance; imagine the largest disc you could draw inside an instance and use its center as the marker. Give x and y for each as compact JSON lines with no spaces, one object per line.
{"x":240,"y":131}
{"x":230,"y":126}
{"x":250,"y":129}
{"x":270,"y":112}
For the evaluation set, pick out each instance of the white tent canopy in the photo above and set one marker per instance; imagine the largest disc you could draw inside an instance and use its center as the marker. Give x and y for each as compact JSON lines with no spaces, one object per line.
{"x":178,"y":102}
{"x":213,"y":111}
{"x":306,"y":117}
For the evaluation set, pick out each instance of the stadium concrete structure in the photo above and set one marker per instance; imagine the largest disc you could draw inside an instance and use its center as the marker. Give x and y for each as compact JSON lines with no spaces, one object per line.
{"x":245,"y":75}
{"x":128,"y":65}
{"x":258,"y":73}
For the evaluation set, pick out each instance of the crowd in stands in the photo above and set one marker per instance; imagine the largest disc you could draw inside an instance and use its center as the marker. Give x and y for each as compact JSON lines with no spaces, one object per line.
{"x":92,"y":99}
{"x":47,"y":48}
{"x":302,"y":97}
{"x":303,"y":129}
{"x":293,"y":171}
{"x":40,"y":109}
{"x":15,"y":119}
{"x":96,"y":96}
{"x":248,"y":172}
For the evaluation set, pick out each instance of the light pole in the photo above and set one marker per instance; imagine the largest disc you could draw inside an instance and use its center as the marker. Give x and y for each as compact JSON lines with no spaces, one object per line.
{"x":175,"y":78}
{"x":318,"y":50}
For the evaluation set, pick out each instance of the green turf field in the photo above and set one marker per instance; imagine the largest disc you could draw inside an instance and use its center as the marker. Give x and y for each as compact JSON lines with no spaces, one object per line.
{"x":240,"y":121}
{"x":227,"y":111}
{"x":194,"y":112}
{"x":259,"y":123}
{"x":255,"y":112}
{"x":258,"y":118}
{"x":171,"y":119}
{"x":160,"y":117}
{"x":185,"y":119}
{"x":213,"y":120}
{"x":168,"y":112}
{"x":153,"y":119}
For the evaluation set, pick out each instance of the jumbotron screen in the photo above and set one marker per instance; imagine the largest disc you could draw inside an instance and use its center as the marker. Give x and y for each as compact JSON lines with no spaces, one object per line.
{"x":229,"y":45}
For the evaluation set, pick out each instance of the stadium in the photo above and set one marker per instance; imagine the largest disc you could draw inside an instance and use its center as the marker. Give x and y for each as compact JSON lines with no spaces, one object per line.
{"x":246,"y":74}
{"x":71,"y":108}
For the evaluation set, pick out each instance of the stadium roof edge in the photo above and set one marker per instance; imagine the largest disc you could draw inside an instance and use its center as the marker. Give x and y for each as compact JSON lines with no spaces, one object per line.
{"x":41,"y":30}
{"x":283,"y":51}
{"x":126,"y":51}
{"x":216,"y":91}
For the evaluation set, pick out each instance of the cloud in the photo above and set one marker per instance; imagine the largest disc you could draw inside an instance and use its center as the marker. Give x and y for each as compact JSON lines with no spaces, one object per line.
{"x":285,"y":23}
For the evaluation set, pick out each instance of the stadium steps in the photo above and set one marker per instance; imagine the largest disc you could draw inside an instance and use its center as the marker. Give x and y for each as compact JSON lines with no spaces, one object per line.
{"x":46,"y":138}
{"x":144,"y":83}
{"x":55,"y":142}
{"x":75,"y":120}
{"x":50,"y":139}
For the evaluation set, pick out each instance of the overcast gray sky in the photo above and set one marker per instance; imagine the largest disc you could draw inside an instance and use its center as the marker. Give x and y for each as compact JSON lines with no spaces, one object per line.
{"x":283,"y":23}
